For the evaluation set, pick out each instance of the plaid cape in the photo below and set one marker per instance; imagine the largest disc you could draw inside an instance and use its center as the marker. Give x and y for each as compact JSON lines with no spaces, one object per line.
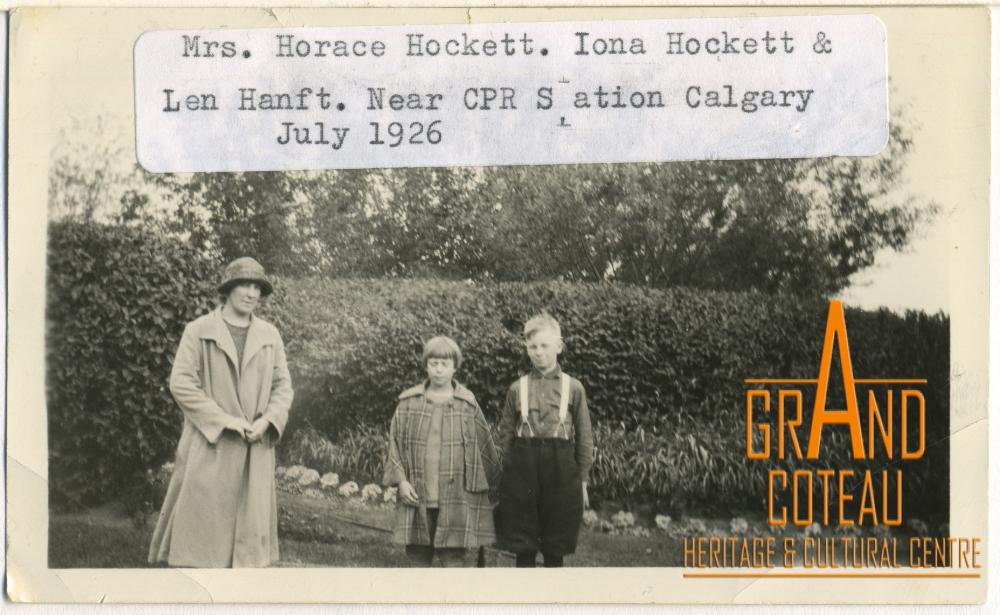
{"x":469,"y":472}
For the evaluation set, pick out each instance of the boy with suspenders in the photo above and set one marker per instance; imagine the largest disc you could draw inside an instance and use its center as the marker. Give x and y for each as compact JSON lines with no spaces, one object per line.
{"x":548,"y":449}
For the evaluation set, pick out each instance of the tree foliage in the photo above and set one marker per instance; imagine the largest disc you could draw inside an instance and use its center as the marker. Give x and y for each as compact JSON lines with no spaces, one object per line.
{"x":85,"y":179}
{"x":801,"y":226}
{"x":266,"y":215}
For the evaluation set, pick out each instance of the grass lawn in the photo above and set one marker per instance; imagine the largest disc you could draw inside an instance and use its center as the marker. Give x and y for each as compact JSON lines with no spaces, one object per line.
{"x":319,"y":532}
{"x":76,"y":541}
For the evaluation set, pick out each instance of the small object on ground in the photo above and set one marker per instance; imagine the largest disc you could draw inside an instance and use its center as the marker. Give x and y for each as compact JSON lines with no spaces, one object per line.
{"x":309,"y":477}
{"x":663,"y":522}
{"x":622,"y":519}
{"x":696,"y":526}
{"x":739,"y":525}
{"x":294,"y":472}
{"x":371,"y":492}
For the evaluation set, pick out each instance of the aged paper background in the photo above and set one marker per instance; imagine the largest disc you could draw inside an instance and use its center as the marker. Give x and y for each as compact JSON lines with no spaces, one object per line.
{"x":65,"y":62}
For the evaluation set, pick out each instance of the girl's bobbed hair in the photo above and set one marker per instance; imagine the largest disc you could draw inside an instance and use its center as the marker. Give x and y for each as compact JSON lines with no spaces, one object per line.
{"x":442,"y":347}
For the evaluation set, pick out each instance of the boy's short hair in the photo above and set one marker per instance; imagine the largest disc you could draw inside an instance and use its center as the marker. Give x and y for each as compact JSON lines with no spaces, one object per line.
{"x":442,"y":347}
{"x":540,"y":322}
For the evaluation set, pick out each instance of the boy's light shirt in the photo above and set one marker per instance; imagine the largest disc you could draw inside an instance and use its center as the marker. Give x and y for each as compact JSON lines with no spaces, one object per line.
{"x":543,"y":394}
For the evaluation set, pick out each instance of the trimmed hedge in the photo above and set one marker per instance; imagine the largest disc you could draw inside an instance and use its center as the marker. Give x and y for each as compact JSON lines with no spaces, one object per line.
{"x":670,"y":363}
{"x":117,"y":302}
{"x":642,"y":354}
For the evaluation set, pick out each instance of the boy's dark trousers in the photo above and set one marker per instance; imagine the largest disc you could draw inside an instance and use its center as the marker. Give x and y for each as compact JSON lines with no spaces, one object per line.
{"x":541,"y":499}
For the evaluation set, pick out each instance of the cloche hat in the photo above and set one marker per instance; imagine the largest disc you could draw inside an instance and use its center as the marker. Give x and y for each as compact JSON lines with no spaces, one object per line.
{"x":245,"y":269}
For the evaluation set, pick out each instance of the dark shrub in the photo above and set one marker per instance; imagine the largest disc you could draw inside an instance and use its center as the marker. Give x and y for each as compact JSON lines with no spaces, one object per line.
{"x":118,"y":299}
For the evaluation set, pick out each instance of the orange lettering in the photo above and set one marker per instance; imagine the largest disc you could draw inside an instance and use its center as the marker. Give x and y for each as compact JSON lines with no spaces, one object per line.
{"x":782,"y":395}
{"x":836,"y":332}
{"x":874,"y":416}
{"x":770,"y":497}
{"x":763,"y":427}
{"x":906,"y":454}
{"x":867,"y":500}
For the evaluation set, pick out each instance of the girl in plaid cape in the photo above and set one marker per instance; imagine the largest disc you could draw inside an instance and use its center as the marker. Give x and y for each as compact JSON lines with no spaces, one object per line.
{"x":442,"y":458}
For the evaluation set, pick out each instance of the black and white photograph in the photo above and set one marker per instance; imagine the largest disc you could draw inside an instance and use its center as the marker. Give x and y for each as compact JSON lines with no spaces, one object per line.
{"x":657,"y":288}
{"x":607,"y":365}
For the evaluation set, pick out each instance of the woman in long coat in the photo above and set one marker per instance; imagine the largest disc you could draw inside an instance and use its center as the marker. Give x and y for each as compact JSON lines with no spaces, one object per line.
{"x":231,"y":381}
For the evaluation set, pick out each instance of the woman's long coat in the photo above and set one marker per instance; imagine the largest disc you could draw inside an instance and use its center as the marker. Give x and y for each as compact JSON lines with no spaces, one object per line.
{"x":220,"y":510}
{"x":469,"y":471}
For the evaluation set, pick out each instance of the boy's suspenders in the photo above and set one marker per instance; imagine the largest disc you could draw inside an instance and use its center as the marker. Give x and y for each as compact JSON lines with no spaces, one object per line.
{"x":563,"y":406}
{"x":523,"y":397}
